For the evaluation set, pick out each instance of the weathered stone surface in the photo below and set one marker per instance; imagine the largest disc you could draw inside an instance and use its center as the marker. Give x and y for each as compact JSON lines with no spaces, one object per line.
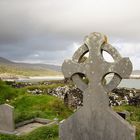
{"x":6,"y":119}
{"x":95,"y":120}
{"x":96,"y":124}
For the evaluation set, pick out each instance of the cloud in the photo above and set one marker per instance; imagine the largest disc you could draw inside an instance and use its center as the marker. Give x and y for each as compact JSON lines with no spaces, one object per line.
{"x":131,"y":50}
{"x":47,"y":30}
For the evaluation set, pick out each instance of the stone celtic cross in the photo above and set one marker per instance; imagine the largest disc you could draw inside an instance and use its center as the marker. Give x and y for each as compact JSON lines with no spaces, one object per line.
{"x":95,"y":120}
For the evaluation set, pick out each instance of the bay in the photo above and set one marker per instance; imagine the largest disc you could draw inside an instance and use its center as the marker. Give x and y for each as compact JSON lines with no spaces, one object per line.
{"x":130,"y":83}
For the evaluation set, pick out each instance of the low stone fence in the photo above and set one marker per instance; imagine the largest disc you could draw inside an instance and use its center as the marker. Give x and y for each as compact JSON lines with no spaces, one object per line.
{"x":73,"y":96}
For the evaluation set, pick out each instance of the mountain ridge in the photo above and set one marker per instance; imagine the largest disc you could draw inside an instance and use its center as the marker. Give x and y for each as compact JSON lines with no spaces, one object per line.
{"x":33,"y":65}
{"x":28,"y":69}
{"x":39,"y":69}
{"x":4,"y":60}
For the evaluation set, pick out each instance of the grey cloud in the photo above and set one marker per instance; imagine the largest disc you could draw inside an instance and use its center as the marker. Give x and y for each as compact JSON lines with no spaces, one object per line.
{"x":46,"y":29}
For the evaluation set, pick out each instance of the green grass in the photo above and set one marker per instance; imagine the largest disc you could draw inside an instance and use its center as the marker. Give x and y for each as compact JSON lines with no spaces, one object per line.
{"x":28,"y":106}
{"x":43,"y":133}
{"x":133,"y":110}
{"x":45,"y":106}
{"x":134,"y":117}
{"x":8,"y":93}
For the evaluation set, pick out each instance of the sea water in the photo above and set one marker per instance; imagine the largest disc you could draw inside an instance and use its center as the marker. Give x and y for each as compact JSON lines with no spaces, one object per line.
{"x":130,"y":83}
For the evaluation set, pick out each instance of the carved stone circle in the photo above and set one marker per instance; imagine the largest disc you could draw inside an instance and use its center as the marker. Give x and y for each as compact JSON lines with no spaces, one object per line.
{"x":96,"y":120}
{"x":95,"y":68}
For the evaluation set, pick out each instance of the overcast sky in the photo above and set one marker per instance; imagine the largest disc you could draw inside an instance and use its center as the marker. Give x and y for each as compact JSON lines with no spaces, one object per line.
{"x":48,"y":31}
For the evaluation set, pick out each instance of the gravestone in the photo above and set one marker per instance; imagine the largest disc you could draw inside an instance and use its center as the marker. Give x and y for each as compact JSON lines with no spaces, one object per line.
{"x":6,"y":119}
{"x":96,"y":120}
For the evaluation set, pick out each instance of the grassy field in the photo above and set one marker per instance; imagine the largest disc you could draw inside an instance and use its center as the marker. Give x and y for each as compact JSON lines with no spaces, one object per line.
{"x":134,"y":117}
{"x":44,"y":106}
{"x":13,"y":71}
{"x":43,"y":133}
{"x":28,"y":106}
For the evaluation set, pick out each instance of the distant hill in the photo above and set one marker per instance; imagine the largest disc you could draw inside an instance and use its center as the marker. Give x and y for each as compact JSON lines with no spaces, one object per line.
{"x":5,"y":61}
{"x":27,"y":69}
